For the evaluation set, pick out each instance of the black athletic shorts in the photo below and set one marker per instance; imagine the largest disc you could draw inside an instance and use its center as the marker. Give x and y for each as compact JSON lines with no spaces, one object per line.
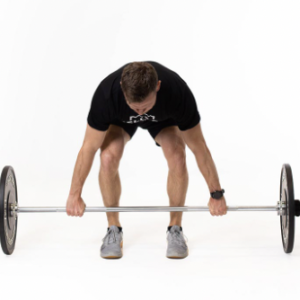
{"x":153,"y":127}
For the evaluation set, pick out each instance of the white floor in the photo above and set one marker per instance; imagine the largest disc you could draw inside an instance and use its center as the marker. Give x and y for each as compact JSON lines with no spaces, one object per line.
{"x":238,"y":255}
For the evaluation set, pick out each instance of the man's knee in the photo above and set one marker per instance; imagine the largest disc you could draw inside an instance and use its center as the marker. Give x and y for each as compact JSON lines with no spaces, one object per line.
{"x":112,"y":152}
{"x":177,"y":161}
{"x":174,"y":150}
{"x":110,"y":160}
{"x":112,"y":148}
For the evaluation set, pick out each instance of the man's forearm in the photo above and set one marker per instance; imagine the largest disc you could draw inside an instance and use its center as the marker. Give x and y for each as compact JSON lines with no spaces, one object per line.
{"x":82,"y":168}
{"x":207,"y":168}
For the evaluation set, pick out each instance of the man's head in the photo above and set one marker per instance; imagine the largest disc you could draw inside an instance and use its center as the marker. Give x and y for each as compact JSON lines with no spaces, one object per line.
{"x":139,"y":83}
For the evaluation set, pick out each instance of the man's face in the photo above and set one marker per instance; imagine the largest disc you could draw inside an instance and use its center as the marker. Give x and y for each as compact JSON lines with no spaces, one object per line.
{"x":147,"y":104}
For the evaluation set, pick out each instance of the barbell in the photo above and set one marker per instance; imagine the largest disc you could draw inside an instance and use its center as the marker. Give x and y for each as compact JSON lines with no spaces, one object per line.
{"x":287,"y":208}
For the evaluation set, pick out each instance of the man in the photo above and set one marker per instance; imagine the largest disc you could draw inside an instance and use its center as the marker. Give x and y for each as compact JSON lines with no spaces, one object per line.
{"x":153,"y":97}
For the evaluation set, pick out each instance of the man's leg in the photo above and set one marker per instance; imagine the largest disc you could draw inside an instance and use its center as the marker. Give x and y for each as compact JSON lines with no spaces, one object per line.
{"x":173,"y":147}
{"x":109,"y":179}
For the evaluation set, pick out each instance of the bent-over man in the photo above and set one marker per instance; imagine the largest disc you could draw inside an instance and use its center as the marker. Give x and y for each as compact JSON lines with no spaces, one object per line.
{"x":153,"y":97}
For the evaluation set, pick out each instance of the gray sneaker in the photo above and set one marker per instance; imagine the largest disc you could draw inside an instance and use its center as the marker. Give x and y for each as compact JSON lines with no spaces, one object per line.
{"x":112,"y":246}
{"x":177,"y":247}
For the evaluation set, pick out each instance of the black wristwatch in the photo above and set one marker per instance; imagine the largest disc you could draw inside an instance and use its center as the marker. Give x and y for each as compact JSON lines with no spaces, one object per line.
{"x":217,"y":194}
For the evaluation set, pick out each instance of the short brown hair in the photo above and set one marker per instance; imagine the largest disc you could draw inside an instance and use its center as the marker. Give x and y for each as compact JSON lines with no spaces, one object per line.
{"x":138,"y":79}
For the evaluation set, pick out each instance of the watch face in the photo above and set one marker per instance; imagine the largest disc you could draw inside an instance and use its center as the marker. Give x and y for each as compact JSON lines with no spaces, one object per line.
{"x":218,"y":195}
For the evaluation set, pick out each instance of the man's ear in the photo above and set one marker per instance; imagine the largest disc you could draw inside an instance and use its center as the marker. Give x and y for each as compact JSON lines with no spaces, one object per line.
{"x":158,"y":85}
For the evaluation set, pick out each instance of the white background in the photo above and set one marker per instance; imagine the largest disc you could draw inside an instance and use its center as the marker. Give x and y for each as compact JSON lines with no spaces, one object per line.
{"x":241,"y":61}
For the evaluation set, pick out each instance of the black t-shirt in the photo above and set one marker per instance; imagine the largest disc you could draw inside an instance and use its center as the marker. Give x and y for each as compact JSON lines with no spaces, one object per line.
{"x":174,"y":101}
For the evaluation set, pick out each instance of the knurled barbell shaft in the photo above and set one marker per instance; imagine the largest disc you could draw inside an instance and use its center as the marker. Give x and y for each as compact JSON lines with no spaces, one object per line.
{"x":146,"y":209}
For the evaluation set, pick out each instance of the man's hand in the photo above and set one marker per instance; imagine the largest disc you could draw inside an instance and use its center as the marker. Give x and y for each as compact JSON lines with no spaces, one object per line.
{"x":217,"y":207}
{"x":75,"y":206}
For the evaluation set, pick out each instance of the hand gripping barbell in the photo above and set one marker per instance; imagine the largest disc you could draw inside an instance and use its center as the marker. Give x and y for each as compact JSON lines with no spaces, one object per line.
{"x":287,"y":207}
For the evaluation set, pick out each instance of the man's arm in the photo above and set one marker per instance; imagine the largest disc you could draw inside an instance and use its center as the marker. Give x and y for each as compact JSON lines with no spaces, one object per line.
{"x":92,"y":142}
{"x":194,"y":139}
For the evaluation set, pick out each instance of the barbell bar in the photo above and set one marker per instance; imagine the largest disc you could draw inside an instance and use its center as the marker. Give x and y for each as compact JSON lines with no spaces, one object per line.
{"x":287,"y":208}
{"x":140,"y":209}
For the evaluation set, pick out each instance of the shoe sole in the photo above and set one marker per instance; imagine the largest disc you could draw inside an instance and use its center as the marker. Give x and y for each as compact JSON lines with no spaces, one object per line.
{"x":113,"y":256}
{"x":178,"y":257}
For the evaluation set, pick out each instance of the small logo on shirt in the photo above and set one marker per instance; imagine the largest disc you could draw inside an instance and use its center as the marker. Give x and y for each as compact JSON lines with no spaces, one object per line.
{"x":141,"y":118}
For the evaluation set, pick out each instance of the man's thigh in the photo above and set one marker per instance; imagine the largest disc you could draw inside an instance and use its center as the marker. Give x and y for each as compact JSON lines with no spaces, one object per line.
{"x":157,"y":130}
{"x":170,"y":138}
{"x":115,"y":139}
